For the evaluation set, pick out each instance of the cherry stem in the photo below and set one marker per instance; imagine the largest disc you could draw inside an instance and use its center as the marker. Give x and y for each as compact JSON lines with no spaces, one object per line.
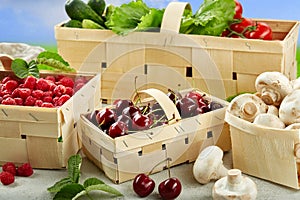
{"x":167,"y":159}
{"x":138,"y":95}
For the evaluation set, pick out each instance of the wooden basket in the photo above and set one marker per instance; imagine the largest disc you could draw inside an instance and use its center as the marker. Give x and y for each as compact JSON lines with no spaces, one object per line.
{"x":124,"y":157}
{"x":233,"y":63}
{"x":264,"y":152}
{"x":45,"y":137}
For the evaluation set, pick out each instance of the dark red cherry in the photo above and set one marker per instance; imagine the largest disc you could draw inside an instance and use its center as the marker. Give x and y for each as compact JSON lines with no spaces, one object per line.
{"x":92,"y":117}
{"x":121,"y":104}
{"x":186,"y":107}
{"x":105,"y":118}
{"x":126,"y":119}
{"x":130,"y":111}
{"x":194,"y":95}
{"x":141,"y":122}
{"x":143,"y":185}
{"x":118,"y":129}
{"x":169,"y":189}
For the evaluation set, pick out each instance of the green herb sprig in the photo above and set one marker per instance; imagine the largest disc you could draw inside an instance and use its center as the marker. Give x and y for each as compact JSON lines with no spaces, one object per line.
{"x":69,"y":187}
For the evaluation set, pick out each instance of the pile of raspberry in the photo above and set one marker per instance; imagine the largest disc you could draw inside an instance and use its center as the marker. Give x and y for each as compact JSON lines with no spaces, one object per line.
{"x":9,"y":171}
{"x":41,"y":92}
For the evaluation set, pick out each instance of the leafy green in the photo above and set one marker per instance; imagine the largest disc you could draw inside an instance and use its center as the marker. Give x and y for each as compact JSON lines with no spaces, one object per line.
{"x":151,"y":20}
{"x":212,"y":18}
{"x":52,"y":55}
{"x":69,"y":188}
{"x":22,"y":69}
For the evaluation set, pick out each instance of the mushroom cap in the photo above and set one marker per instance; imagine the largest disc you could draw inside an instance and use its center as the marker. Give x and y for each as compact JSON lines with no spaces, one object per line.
{"x":269,"y":120}
{"x":247,"y":106}
{"x":207,"y":164}
{"x":293,"y":126}
{"x":273,"y":82}
{"x":296,"y":84}
{"x":289,"y":110}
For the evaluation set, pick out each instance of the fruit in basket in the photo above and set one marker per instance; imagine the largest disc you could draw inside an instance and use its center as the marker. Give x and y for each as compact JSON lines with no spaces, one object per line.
{"x":105,"y":118}
{"x":143,"y":185}
{"x":121,"y":104}
{"x":118,"y":129}
{"x":170,"y":188}
{"x":141,"y":122}
{"x":187,"y":107}
{"x":238,"y":10}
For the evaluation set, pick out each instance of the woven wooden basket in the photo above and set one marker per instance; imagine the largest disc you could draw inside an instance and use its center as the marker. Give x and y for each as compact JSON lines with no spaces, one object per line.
{"x":236,"y":62}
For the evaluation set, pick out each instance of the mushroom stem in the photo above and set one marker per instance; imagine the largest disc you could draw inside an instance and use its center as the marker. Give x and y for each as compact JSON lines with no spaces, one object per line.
{"x":270,"y":97}
{"x":234,"y":178}
{"x":221,"y":172}
{"x":249,"y":110}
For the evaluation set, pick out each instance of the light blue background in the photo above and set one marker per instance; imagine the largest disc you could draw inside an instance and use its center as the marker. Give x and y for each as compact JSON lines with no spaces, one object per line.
{"x":33,"y":21}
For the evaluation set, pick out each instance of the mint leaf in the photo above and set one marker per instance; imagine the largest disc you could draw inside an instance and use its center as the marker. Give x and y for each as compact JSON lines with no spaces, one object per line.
{"x":104,"y":188}
{"x":59,"y":185}
{"x":74,"y":164}
{"x":69,"y":191}
{"x":22,"y":69}
{"x":92,"y":181}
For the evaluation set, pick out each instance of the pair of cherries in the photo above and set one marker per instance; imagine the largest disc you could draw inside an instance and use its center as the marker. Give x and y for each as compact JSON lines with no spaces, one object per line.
{"x":169,"y":189}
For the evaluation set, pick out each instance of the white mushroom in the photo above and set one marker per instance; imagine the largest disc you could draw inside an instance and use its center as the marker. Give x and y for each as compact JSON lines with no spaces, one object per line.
{"x":296,"y":84}
{"x":234,"y":186}
{"x":269,"y":120}
{"x":273,"y":110}
{"x":293,"y":126}
{"x":289,"y":110}
{"x":273,"y":86}
{"x":209,"y":165}
{"x":247,"y":106}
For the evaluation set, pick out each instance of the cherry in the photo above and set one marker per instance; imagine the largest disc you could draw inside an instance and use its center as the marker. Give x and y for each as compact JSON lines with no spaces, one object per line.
{"x":118,"y":129}
{"x":105,"y":118}
{"x":141,"y":122}
{"x":143,"y":185}
{"x":92,"y":117}
{"x":173,"y":95}
{"x":126,"y":119}
{"x":194,"y":95}
{"x":121,"y":104}
{"x":130,"y":111}
{"x":187,"y":107}
{"x":215,"y":105}
{"x":169,"y":188}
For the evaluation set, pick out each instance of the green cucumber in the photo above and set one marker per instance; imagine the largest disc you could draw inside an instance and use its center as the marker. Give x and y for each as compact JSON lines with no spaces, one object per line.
{"x":73,"y":24}
{"x":98,"y":6}
{"x":87,"y":23}
{"x":79,"y":10}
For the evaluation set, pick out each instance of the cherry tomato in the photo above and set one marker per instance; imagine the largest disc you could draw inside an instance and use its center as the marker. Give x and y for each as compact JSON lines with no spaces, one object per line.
{"x":261,"y":31}
{"x":238,"y":10}
{"x":241,"y":26}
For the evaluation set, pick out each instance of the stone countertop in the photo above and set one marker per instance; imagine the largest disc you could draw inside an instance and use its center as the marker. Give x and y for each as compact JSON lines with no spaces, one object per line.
{"x":35,"y":187}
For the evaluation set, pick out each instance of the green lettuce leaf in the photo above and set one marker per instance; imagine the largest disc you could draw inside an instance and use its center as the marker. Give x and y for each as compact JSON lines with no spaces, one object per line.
{"x":151,"y":20}
{"x":212,"y":18}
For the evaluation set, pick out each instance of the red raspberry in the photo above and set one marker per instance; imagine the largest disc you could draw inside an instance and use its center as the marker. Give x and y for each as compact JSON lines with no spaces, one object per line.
{"x":52,"y":86}
{"x":67,"y":82}
{"x":9,"y":101}
{"x":38,"y":103}
{"x":11,"y":85}
{"x":29,"y":101}
{"x":50,"y":78}
{"x":54,"y":100}
{"x":30,"y":82}
{"x":78,"y":86}
{"x":7,"y":178}
{"x":80,"y":79}
{"x":5,"y":79}
{"x":69,"y":91}
{"x":42,"y":84}
{"x":47,"y":105}
{"x":47,"y":99}
{"x":24,"y":92}
{"x":62,"y":100}
{"x":15,"y":93}
{"x":19,"y":101}
{"x":59,"y":90}
{"x":25,"y":170}
{"x":9,"y":167}
{"x":48,"y":94}
{"x":4,"y":92}
{"x":6,"y":96}
{"x":38,"y":94}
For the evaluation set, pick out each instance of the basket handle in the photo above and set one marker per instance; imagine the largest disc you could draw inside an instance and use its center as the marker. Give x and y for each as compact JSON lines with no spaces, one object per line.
{"x":172,"y":16}
{"x":6,"y":61}
{"x":165,"y":102}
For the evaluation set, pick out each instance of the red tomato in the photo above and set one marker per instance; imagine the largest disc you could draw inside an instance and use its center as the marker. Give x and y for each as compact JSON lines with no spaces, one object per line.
{"x":238,"y":10}
{"x":241,"y":26}
{"x":261,"y":31}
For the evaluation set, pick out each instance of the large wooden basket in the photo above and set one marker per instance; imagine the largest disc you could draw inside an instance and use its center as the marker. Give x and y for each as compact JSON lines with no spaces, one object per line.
{"x":236,"y":62}
{"x":264,"y":152}
{"x":45,"y":137}
{"x":124,"y":157}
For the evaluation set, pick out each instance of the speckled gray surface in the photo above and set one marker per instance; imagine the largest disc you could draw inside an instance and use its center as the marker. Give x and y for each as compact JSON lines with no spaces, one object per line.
{"x":35,"y":187}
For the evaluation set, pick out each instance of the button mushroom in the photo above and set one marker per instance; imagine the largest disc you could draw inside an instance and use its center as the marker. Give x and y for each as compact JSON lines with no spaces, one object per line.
{"x":269,"y":120}
{"x":234,"y":186}
{"x":209,"y":165}
{"x":247,"y":106}
{"x":289,"y":110}
{"x":293,"y":126}
{"x":273,"y":87}
{"x":273,"y":110}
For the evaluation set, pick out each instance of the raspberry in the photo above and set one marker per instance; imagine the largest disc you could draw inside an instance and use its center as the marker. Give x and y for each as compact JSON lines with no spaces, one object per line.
{"x":9,"y":101}
{"x":11,"y":85}
{"x":78,"y":86}
{"x":6,"y":96}
{"x":38,"y":103}
{"x":48,"y":94}
{"x":4,"y":92}
{"x":24,"y":92}
{"x":29,"y":82}
{"x":38,"y":94}
{"x":9,"y":167}
{"x":29,"y":101}
{"x":67,"y":82}
{"x":7,"y":178}
{"x":25,"y":170}
{"x":19,"y":101}
{"x":62,"y":100}
{"x":69,"y":91}
{"x":50,"y":78}
{"x":59,"y":90}
{"x":5,"y":79}
{"x":80,"y":80}
{"x":47,"y":105}
{"x":42,"y":84}
{"x":52,"y":86}
{"x":54,"y":100}
{"x":15,"y":93}
{"x":47,"y":99}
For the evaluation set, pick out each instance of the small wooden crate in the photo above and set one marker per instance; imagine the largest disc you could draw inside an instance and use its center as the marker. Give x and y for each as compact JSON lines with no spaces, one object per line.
{"x":45,"y":137}
{"x":233,"y":63}
{"x":266,"y":153}
{"x":124,"y":157}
